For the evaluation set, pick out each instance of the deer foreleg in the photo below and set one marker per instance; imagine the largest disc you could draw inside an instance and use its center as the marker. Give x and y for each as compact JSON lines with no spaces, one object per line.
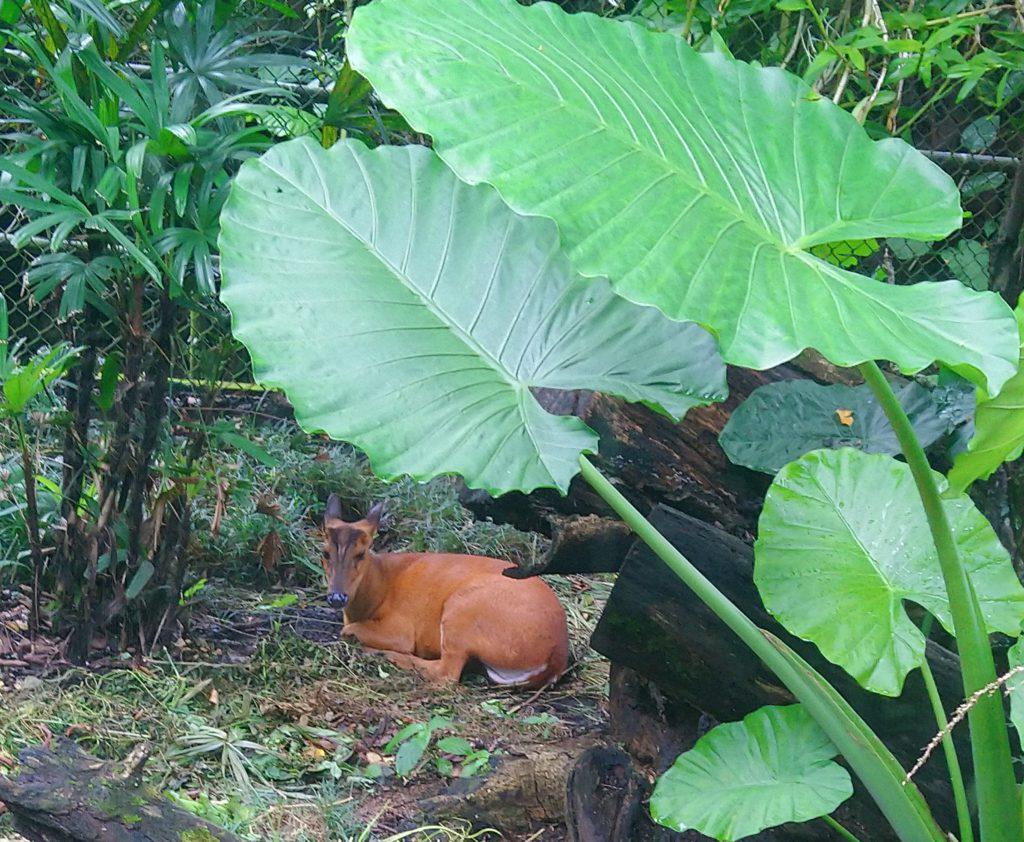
{"x":376,"y":635}
{"x":446,"y":669}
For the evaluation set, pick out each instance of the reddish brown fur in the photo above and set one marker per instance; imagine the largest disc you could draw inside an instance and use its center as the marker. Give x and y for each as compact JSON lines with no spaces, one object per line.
{"x":437,"y":612}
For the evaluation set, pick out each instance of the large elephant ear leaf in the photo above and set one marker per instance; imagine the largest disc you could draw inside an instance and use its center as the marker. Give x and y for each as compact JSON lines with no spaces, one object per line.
{"x":411,"y":314}
{"x":843,"y":541}
{"x":694,"y":182}
{"x":998,"y":428}
{"x":782,"y":421}
{"x":740,"y":778}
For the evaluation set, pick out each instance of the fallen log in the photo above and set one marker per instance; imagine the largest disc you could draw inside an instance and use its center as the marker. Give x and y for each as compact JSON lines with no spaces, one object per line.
{"x":521,"y":792}
{"x":656,"y":626}
{"x":64,"y":795}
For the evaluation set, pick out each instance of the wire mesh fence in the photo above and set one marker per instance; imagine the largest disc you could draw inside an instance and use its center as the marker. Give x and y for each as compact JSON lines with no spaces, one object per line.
{"x":966,"y":119}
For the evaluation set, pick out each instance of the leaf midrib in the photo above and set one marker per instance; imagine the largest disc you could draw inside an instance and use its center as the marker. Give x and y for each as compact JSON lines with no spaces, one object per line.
{"x":614,"y":130}
{"x":519,"y":387}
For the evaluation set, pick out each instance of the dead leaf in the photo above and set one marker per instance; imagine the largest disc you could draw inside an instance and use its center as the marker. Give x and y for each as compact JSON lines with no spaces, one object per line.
{"x":214,"y":697}
{"x":313,"y":753}
{"x":322,"y":456}
{"x":271,"y":551}
{"x":219,"y":506}
{"x":845,"y":417}
{"x":373,"y":757}
{"x":266,"y":504}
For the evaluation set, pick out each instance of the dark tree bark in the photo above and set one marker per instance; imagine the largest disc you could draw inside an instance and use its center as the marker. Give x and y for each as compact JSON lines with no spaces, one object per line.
{"x":655,"y":625}
{"x":652,"y":460}
{"x":28,"y":473}
{"x":604,"y":798}
{"x":64,"y":795}
{"x":1006,"y":252}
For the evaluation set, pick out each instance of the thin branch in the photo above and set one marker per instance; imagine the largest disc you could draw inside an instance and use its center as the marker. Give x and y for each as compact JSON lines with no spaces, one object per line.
{"x":1005,"y":163}
{"x":958,"y":717}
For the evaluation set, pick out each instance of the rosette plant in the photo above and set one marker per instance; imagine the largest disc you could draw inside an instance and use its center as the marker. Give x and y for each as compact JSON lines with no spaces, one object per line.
{"x":602,"y":202}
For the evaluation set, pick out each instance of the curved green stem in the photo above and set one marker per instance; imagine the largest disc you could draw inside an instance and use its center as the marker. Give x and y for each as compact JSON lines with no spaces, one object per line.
{"x":838,"y":828}
{"x":898,"y":799}
{"x":956,"y":777}
{"x":998,"y":813}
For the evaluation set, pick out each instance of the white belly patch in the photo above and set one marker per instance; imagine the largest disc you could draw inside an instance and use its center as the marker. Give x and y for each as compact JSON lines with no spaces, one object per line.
{"x":513,"y":676}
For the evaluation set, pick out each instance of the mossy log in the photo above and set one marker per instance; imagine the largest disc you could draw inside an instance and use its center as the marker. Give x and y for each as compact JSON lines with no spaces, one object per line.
{"x":64,"y":795}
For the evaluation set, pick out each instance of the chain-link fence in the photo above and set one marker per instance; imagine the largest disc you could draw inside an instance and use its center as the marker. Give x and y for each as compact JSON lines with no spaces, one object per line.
{"x":968,"y":124}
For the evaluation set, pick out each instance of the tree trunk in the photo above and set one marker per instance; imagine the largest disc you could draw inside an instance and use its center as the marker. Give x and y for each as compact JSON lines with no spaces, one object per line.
{"x":64,"y":795}
{"x":1006,"y":252}
{"x":28,"y":471}
{"x":654,"y":624}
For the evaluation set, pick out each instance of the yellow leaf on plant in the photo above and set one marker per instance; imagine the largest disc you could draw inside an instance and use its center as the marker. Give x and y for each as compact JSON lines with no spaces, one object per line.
{"x":845,"y":417}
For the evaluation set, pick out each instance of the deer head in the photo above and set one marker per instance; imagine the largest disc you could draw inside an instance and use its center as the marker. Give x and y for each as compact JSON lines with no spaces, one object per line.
{"x":346,"y":546}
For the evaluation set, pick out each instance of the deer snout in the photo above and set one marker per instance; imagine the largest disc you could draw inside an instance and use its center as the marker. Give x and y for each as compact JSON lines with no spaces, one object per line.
{"x":337,"y":600}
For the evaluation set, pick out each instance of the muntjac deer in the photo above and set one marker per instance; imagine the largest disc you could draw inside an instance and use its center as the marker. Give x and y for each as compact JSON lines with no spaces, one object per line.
{"x":437,"y":612}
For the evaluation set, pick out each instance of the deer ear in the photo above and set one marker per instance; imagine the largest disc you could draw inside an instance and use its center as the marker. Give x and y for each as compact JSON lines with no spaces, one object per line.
{"x":373,"y":516}
{"x":333,"y":508}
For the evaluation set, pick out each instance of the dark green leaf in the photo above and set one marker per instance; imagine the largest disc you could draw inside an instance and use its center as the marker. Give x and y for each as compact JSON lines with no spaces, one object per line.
{"x":139,"y":580}
{"x":409,"y":755}
{"x":982,"y":182}
{"x":455,"y":745}
{"x":782,"y":421}
{"x":968,"y":261}
{"x":980,"y":134}
{"x":109,"y":374}
{"x":248,"y":446}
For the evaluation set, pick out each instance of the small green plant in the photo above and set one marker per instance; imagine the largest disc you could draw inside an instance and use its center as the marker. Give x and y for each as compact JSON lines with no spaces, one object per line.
{"x":22,"y":385}
{"x":471,"y":760}
{"x":231,"y":744}
{"x":231,"y":813}
{"x":410,"y":744}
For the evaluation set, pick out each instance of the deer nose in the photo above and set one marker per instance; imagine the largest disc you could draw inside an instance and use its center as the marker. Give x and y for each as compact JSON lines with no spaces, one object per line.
{"x":337,"y":600}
